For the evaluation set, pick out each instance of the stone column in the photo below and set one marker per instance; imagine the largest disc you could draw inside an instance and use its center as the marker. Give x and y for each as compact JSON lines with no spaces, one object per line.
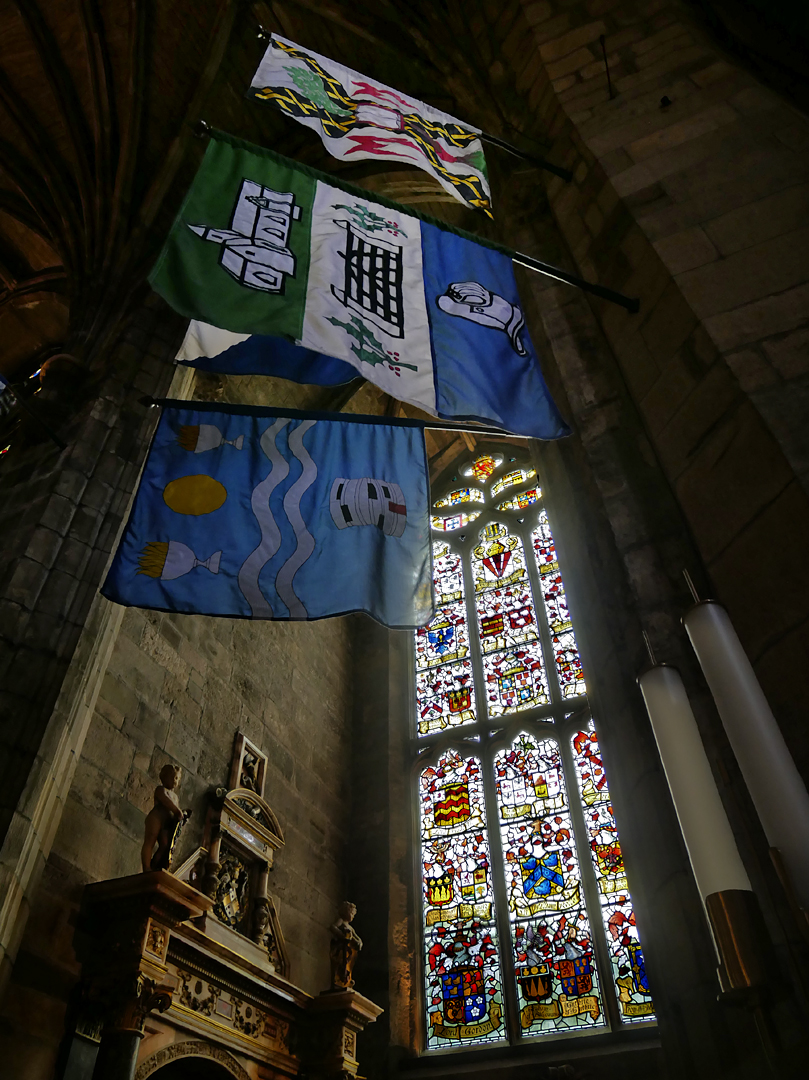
{"x":335,"y":1020}
{"x":122,"y":943}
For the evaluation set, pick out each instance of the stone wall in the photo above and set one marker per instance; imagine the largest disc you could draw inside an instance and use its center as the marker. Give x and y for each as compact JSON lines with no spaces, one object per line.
{"x":177,"y":688}
{"x":699,"y":207}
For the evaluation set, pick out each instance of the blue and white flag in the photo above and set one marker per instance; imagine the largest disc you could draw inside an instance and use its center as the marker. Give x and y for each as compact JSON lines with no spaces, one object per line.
{"x":271,"y":514}
{"x":265,"y":246}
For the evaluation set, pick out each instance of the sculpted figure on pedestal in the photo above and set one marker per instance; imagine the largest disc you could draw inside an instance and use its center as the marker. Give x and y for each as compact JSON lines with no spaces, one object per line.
{"x":345,"y":945}
{"x":163,"y":822}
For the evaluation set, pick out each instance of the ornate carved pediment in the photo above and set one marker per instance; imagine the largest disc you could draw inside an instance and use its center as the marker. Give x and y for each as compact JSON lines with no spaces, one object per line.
{"x":251,"y":822}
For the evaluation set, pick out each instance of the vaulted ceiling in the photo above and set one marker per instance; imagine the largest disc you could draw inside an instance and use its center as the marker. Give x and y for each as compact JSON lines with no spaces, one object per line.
{"x":98,"y":99}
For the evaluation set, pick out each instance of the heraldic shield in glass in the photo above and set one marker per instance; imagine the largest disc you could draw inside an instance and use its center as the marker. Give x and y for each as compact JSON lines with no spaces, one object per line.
{"x":553,"y":948}
{"x":254,"y":514}
{"x":500,"y":666}
{"x":462,"y":970}
{"x":626,"y":954}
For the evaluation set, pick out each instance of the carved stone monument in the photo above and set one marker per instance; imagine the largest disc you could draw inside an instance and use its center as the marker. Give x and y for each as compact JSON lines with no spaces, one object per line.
{"x":193,"y":964}
{"x":345,"y":946}
{"x":163,"y":822}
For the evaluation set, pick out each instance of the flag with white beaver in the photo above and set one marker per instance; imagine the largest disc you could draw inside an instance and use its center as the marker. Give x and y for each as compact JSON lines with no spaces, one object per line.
{"x":264,"y":246}
{"x":358,"y":117}
{"x":273,"y":514}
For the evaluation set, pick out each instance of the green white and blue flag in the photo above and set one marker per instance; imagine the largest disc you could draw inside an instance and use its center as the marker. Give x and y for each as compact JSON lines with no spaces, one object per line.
{"x":265,"y":247}
{"x":271,"y":514}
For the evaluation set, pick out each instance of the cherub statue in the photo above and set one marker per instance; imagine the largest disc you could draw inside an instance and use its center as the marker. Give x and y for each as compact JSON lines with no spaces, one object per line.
{"x":345,"y":945}
{"x":163,"y":822}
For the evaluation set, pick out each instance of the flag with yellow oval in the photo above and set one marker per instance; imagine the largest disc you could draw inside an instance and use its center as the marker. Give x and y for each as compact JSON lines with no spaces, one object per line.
{"x":277,"y":514}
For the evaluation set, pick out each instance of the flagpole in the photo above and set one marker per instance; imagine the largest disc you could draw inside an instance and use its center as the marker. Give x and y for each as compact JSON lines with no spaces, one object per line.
{"x":632,"y":304}
{"x":427,"y":425}
{"x":203,"y":130}
{"x":557,"y":170}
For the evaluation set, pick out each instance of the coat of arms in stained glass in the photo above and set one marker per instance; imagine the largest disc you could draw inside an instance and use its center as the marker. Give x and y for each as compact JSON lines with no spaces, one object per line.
{"x":515,"y":679}
{"x":522,"y":641}
{"x":616,"y":904}
{"x":462,"y":967}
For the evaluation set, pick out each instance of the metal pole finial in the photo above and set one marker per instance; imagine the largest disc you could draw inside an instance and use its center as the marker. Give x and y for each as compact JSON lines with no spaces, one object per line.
{"x":201,"y":129}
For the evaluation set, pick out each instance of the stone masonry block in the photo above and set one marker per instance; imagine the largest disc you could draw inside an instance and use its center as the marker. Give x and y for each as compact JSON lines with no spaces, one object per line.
{"x":751,"y":369}
{"x":57,"y":593}
{"x":790,"y":355}
{"x":44,"y":546}
{"x":654,"y":56}
{"x":676,"y":134}
{"x":749,"y":275}
{"x":686,"y":250}
{"x":91,"y":787}
{"x":713,"y":73}
{"x":26,"y":582}
{"x":653,"y":41}
{"x":58,"y":514}
{"x":674,"y":60}
{"x":761,"y":220}
{"x":576,"y":60}
{"x":129,"y":819}
{"x":139,"y":671}
{"x":569,"y":42}
{"x":70,"y":484}
{"x":108,"y":749}
{"x":116,"y":701}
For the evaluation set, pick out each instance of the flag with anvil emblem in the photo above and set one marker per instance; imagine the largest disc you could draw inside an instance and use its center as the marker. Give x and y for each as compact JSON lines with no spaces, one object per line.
{"x":272,"y":253}
{"x":358,"y":117}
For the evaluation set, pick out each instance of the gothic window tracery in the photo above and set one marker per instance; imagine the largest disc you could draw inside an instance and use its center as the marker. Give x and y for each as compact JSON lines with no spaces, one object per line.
{"x":528,"y":929}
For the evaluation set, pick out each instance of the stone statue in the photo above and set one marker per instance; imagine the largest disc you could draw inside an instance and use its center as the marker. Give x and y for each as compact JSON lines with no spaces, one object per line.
{"x":163,"y":822}
{"x":345,"y":945}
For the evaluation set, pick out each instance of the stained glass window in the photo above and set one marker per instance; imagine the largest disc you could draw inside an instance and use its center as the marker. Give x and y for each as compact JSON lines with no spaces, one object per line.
{"x":528,"y":927}
{"x":626,"y":956}
{"x":456,"y":521}
{"x":462,"y":495}
{"x":512,"y":479}
{"x":462,"y":964}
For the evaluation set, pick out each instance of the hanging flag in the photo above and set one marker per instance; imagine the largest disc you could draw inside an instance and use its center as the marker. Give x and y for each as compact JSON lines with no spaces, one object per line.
{"x":264,"y":246}
{"x":211,"y":349}
{"x":271,"y":514}
{"x":357,"y":117}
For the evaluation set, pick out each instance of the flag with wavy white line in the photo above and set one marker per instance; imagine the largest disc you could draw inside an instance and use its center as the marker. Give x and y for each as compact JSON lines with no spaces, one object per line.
{"x":277,"y":514}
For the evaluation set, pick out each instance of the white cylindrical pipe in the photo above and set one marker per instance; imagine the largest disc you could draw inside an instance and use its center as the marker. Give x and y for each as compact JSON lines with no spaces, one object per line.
{"x":775,"y":785}
{"x":708,"y":837}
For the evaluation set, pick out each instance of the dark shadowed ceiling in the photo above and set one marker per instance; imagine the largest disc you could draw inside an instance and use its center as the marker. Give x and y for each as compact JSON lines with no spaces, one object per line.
{"x":97,"y":103}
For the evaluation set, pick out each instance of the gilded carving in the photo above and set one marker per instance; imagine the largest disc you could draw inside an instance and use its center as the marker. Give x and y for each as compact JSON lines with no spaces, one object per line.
{"x":156,"y":940}
{"x":277,"y":1031}
{"x":198,"y":995}
{"x":349,"y":1043}
{"x":248,"y":1019}
{"x":191,"y":1050}
{"x":230,"y":902}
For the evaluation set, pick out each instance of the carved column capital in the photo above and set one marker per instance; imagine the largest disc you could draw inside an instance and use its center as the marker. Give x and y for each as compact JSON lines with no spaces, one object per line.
{"x":122,"y":942}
